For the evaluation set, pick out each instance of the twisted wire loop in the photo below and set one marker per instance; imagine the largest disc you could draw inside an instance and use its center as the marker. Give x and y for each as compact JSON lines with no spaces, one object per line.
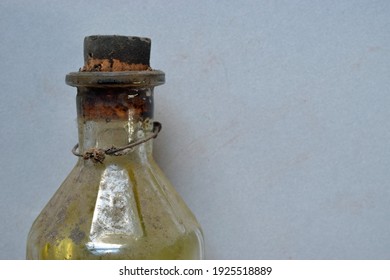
{"x":97,"y":155}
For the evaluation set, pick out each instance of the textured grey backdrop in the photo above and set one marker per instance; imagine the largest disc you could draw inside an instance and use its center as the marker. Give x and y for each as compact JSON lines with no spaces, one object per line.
{"x":276,"y":117}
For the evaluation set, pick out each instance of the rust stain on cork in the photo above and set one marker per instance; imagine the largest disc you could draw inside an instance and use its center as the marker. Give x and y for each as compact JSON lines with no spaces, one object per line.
{"x":112,"y":65}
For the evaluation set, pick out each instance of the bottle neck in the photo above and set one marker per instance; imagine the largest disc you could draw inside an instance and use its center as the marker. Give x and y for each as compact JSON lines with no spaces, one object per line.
{"x":115,"y":116}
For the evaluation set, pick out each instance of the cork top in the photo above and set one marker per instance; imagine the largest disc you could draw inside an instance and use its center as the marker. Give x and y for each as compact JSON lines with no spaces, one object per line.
{"x":114,"y":53}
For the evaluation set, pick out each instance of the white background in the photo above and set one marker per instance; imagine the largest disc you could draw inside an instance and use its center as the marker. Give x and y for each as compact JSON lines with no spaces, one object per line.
{"x":275,"y":117}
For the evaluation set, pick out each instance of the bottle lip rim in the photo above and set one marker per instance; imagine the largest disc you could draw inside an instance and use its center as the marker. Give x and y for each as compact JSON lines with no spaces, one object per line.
{"x":116,"y":79}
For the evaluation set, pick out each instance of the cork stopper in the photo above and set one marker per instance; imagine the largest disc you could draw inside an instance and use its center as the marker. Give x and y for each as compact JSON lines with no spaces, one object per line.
{"x":113,"y":53}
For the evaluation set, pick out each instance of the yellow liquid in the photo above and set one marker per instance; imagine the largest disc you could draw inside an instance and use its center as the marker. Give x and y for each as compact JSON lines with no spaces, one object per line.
{"x":184,"y":248}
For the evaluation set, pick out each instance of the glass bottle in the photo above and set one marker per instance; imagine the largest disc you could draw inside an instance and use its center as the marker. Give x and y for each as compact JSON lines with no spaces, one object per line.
{"x":115,"y":205}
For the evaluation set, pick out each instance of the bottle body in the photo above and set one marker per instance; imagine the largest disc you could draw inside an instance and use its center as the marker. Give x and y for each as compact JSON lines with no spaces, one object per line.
{"x":123,"y":207}
{"x":120,"y":210}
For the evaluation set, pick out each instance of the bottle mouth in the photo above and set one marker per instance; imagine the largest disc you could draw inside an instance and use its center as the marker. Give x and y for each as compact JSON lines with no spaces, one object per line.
{"x":116,"y":61}
{"x":116,"y":79}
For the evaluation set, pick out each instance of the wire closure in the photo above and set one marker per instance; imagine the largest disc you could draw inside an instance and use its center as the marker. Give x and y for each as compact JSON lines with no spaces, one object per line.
{"x":98,"y":155}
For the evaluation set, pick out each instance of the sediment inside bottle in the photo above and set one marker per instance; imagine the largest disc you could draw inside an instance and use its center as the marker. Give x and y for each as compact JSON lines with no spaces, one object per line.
{"x":114,"y":116}
{"x":114,"y":103}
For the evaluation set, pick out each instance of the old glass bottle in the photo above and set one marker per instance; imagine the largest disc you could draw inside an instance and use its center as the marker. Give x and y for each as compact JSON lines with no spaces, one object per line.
{"x":118,"y":205}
